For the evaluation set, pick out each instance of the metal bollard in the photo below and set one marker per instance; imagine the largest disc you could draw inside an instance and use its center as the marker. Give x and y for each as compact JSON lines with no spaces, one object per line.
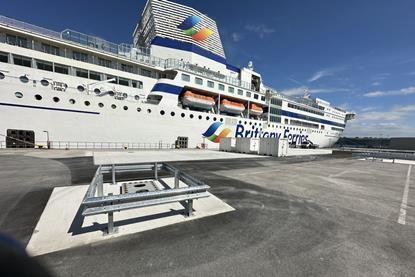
{"x":176,"y":179}
{"x":156,"y":172}
{"x":190,"y":207}
{"x":113,"y":175}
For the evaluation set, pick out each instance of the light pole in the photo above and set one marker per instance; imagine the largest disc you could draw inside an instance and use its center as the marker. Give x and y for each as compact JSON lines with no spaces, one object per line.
{"x":47,"y":139}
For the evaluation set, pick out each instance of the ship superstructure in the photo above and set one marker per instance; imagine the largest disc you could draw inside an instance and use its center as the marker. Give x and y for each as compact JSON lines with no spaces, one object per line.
{"x":172,"y":83}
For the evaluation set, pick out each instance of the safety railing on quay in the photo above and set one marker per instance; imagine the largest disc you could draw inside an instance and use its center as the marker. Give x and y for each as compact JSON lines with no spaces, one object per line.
{"x":85,"y":145}
{"x":95,"y":202}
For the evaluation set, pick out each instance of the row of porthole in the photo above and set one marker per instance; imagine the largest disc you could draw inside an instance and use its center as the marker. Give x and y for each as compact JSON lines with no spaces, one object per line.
{"x":44,"y":82}
{"x":113,"y":106}
{"x":183,"y":115}
{"x":250,"y":123}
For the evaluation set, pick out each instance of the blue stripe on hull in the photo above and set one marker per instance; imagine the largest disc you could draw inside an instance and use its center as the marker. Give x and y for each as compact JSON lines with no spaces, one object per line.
{"x":46,"y":108}
{"x":190,"y":47}
{"x":162,"y":87}
{"x":310,"y":118}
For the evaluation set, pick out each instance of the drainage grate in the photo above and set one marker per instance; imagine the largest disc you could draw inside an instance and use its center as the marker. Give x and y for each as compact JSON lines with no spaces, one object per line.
{"x":138,"y":186}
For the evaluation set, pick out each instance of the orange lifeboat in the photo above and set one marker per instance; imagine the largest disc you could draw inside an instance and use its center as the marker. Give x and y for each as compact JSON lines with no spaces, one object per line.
{"x":255,"y":109}
{"x":231,"y":107}
{"x":191,"y":99}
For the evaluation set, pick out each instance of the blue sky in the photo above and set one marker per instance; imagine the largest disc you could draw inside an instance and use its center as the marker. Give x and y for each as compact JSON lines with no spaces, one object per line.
{"x":359,"y":55}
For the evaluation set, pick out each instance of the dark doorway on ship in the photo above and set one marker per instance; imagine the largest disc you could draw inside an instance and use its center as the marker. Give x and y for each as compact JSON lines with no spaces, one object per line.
{"x":20,"y":139}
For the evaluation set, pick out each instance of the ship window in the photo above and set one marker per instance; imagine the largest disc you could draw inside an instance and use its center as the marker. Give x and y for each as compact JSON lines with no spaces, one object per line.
{"x":147,"y":73}
{"x":172,"y":114}
{"x":72,"y":101}
{"x":221,"y":120}
{"x":162,"y":112}
{"x":221,"y":87}
{"x":18,"y":94}
{"x":113,"y":106}
{"x":262,"y":98}
{"x":81,"y":73}
{"x":210,"y":84}
{"x":23,"y":61}
{"x":231,"y":89}
{"x":199,"y":81}
{"x":38,"y":97}
{"x":275,"y":101}
{"x":123,"y":82}
{"x":24,"y":79}
{"x":207,"y":117}
{"x":136,"y":97}
{"x":18,"y":41}
{"x":148,"y":110}
{"x":200,"y":117}
{"x":127,"y":68}
{"x":182,"y":115}
{"x":50,"y":49}
{"x":240,"y":92}
{"x":104,"y":62}
{"x":191,"y":116}
{"x":185,"y":77}
{"x":214,"y":119}
{"x":139,"y":109}
{"x":87,"y":103}
{"x":2,"y":76}
{"x":97,"y":91}
{"x":255,"y":96}
{"x":44,"y":82}
{"x":56,"y":99}
{"x":137,"y":84}
{"x":63,"y":69}
{"x":94,"y":75}
{"x":4,"y":57}
{"x":79,"y":56}
{"x":125,"y":108}
{"x":101,"y":105}
{"x":81,"y":88}
{"x":248,"y":94}
{"x":43,"y":65}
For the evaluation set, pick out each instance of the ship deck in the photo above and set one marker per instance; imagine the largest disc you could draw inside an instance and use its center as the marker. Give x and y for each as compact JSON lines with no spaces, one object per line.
{"x":312,"y":215}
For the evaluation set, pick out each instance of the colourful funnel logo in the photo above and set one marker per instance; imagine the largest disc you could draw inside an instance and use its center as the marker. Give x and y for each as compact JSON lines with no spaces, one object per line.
{"x":188,"y":28}
{"x":210,"y":132}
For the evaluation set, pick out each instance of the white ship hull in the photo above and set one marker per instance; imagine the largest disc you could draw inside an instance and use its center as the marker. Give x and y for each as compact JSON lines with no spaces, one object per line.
{"x":66,"y":122}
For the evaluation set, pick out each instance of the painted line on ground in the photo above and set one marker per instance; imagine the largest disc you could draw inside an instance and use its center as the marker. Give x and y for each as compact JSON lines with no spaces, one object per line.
{"x":402,"y":212}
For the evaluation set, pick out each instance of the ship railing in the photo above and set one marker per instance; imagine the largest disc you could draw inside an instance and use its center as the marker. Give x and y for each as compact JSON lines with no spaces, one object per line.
{"x":83,"y":145}
{"x":126,"y":51}
{"x":10,"y":22}
{"x":206,"y":72}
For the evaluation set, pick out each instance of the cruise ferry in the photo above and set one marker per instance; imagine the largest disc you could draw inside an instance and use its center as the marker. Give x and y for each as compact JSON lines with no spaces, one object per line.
{"x":171,"y":86}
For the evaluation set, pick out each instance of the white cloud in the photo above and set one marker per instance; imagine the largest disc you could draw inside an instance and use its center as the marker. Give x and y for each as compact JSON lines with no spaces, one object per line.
{"x":324,"y":73}
{"x":236,"y":37}
{"x":361,"y":128}
{"x":375,"y":84}
{"x":302,"y":89}
{"x":402,"y":91}
{"x":411,"y":73}
{"x":261,"y":29}
{"x":396,"y":113}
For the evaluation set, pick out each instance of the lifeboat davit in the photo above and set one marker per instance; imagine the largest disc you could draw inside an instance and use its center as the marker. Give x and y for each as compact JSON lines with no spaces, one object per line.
{"x":231,"y":107}
{"x":195,"y":100}
{"x":255,"y":109}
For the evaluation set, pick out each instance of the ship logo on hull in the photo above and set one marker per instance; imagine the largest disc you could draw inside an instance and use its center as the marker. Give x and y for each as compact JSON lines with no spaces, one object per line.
{"x":188,"y":28}
{"x":210,"y":132}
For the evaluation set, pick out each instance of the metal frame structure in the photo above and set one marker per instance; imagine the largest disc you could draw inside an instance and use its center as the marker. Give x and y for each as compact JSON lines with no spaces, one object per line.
{"x":95,"y":202}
